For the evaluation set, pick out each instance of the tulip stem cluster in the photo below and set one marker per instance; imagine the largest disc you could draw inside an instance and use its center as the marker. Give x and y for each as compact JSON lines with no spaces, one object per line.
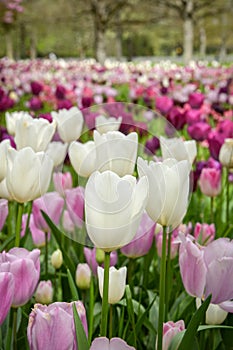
{"x":18,"y":224}
{"x":104,"y":315}
{"x":162,"y":288}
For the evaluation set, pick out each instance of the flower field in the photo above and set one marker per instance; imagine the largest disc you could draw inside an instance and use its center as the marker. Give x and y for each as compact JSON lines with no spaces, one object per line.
{"x":116,"y":205}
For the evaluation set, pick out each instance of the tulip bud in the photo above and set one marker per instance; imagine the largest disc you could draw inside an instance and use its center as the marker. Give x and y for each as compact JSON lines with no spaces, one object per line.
{"x":99,"y":255}
{"x":117,"y":282}
{"x":57,"y":259}
{"x":214,"y":314}
{"x":83,"y":276}
{"x":204,"y":233}
{"x":170,"y":329}
{"x":226,"y":153}
{"x":44,"y":292}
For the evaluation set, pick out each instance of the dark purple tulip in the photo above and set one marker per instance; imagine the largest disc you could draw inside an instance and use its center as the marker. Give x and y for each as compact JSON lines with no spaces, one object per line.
{"x":46,"y":116}
{"x":36,"y":87}
{"x":215,"y":141}
{"x":35,"y":103}
{"x":87,"y":101}
{"x":60,"y":92}
{"x":196,"y":99}
{"x":5,"y":103}
{"x":152,"y":145}
{"x":199,"y":131}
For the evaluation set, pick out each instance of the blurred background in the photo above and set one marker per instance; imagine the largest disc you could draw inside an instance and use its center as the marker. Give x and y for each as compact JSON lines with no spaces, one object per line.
{"x":118,"y":29}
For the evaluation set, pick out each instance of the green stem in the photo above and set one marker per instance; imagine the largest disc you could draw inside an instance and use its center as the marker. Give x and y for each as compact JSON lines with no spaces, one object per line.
{"x":110,"y":321}
{"x":227,"y":196}
{"x":15,"y":328}
{"x":212,"y":209}
{"x":10,"y":218}
{"x":55,"y":286}
{"x":162,"y":291}
{"x":46,"y":255}
{"x":104,"y":315}
{"x":168,"y":276}
{"x":29,"y":210}
{"x":18,"y":224}
{"x":91,"y":310}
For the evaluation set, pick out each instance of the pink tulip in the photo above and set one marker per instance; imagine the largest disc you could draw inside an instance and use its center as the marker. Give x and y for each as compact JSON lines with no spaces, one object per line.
{"x":103,"y":343}
{"x":62,"y":182}
{"x":52,"y":326}
{"x":3,"y":212}
{"x":7,"y":285}
{"x":52,"y":204}
{"x":25,"y":268}
{"x":38,"y":236}
{"x":208,"y":270}
{"x":90,"y":256}
{"x":74,"y":199}
{"x":143,"y":240}
{"x":210,"y":182}
{"x":204,"y":233}
{"x":164,"y":104}
{"x":170,"y":329}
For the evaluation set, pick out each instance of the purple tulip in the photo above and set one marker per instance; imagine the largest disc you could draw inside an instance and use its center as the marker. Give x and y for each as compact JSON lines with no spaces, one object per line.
{"x":35,"y":103}
{"x":52,"y":204}
{"x":25,"y":268}
{"x":3,"y":212}
{"x":60,"y":92}
{"x":196,"y":99}
{"x":64,"y":104}
{"x":177,"y":117}
{"x":90,"y":256}
{"x":208,"y":270}
{"x":74,"y":199}
{"x":143,"y":239}
{"x":193,"y":116}
{"x":152,"y":145}
{"x":7,"y":286}
{"x":204,"y":233}
{"x":52,"y":326}
{"x":215,"y":141}
{"x":103,"y":343}
{"x":62,"y":182}
{"x":199,"y":131}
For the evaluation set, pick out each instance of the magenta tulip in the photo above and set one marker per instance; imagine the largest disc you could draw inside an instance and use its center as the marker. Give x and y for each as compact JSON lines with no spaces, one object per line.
{"x":52,"y":327}
{"x":25,"y":268}
{"x":205,"y":270}
{"x":199,"y":131}
{"x":196,"y":99}
{"x":3,"y":212}
{"x":7,"y":286}
{"x":143,"y":240}
{"x":210,"y":182}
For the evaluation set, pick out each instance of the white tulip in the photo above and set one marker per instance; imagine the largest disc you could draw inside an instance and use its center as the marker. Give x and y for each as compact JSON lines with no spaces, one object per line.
{"x":4,"y":193}
{"x":226,"y":153}
{"x":113,"y":208}
{"x":12,"y":118}
{"x":117,"y":282}
{"x":57,"y":152}
{"x":28,"y":174}
{"x":214,"y":314}
{"x":83,"y":157}
{"x":116,"y":152}
{"x":69,"y":123}
{"x":33,"y":132}
{"x":168,"y":190}
{"x":178,"y":149}
{"x":103,"y":124}
{"x":4,"y":146}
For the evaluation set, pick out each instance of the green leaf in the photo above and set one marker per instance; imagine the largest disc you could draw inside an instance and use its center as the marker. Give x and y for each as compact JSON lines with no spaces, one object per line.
{"x":190,"y":333}
{"x":80,"y":333}
{"x":130,"y":310}
{"x":73,"y":289}
{"x":58,"y":234}
{"x":7,"y":242}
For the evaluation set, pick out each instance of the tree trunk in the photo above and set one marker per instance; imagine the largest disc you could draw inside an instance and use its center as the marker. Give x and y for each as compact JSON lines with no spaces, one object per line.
{"x":9,"y":45}
{"x":188,"y":31}
{"x":100,"y":45}
{"x":33,"y":51}
{"x":202,"y":42}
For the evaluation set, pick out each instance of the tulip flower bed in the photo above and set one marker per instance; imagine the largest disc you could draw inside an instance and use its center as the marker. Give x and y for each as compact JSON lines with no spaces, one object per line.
{"x":116,"y":206}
